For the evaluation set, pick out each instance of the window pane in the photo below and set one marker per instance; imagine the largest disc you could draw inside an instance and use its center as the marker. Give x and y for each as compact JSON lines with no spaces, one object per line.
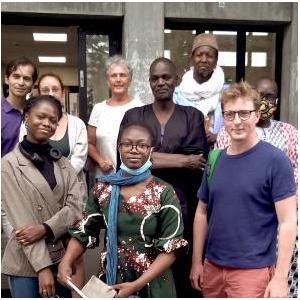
{"x":97,"y":51}
{"x":259,"y":59}
{"x":227,"y":53}
{"x":260,"y":47}
{"x":178,"y":46}
{"x":227,"y":59}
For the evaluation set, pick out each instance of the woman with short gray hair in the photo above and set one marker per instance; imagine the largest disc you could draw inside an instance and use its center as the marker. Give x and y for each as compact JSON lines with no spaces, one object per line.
{"x":106,"y":116}
{"x":118,"y":60}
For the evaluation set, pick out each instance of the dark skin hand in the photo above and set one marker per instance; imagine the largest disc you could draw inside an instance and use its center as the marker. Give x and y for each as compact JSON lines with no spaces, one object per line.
{"x":195,"y":162}
{"x":46,"y":283}
{"x":166,"y":160}
{"x":28,"y":234}
{"x":211,"y":137}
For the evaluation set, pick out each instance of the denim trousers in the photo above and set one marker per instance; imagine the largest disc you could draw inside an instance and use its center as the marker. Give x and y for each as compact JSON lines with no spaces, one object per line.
{"x":28,"y":287}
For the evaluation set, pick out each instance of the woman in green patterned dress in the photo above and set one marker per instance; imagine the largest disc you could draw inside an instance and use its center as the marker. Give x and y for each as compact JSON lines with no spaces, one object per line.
{"x":143,"y":220}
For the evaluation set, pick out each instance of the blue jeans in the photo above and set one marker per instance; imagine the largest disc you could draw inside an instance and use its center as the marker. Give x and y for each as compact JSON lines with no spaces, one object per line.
{"x":28,"y":287}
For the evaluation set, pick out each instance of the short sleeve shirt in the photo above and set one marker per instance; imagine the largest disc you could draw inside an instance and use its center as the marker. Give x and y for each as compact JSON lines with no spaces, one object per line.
{"x":242,"y":221}
{"x":107,"y":119}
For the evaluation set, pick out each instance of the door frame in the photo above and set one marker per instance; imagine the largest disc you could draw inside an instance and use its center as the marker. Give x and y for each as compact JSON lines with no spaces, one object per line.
{"x":114,"y":31}
{"x":106,"y":25}
{"x":241,"y":30}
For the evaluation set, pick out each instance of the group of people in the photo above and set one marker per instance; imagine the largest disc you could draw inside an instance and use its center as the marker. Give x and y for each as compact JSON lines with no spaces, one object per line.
{"x":177,"y":225}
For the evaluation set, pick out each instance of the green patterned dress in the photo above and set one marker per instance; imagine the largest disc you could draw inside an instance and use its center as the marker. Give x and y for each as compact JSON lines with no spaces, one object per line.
{"x":148,"y":224}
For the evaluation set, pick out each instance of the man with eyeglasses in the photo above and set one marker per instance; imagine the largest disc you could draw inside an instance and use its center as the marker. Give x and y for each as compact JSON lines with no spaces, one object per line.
{"x":20,"y":75}
{"x":282,"y":135}
{"x":180,"y":149}
{"x":251,"y":194}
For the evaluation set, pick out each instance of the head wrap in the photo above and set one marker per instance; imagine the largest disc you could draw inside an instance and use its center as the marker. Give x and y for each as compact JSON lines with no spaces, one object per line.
{"x":267,"y":110}
{"x":205,"y":39}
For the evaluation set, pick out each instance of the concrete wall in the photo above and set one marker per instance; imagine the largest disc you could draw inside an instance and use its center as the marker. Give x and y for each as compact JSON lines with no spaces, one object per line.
{"x":66,"y":8}
{"x":289,"y":84}
{"x":232,"y":11}
{"x":143,"y":38}
{"x":143,"y":43}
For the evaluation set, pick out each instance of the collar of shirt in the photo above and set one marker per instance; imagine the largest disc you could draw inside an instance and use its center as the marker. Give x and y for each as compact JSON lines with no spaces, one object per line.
{"x":6,"y":106}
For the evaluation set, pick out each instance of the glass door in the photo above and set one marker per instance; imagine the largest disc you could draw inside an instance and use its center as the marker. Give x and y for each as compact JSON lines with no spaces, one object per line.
{"x":94,"y":48}
{"x":246,"y":52}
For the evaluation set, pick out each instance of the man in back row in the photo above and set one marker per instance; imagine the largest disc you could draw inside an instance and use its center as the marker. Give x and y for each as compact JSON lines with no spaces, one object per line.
{"x":239,"y":214}
{"x":20,"y":75}
{"x":180,"y":149}
{"x":201,"y":86}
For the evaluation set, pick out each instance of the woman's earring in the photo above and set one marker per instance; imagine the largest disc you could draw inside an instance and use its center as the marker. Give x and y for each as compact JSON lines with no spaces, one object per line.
{"x":26,"y":125}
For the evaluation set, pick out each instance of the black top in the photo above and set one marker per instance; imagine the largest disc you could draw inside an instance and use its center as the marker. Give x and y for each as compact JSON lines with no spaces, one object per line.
{"x":184,"y":133}
{"x":40,"y":156}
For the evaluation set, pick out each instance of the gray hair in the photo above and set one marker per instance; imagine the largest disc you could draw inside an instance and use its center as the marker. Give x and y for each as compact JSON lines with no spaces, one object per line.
{"x":118,"y":60}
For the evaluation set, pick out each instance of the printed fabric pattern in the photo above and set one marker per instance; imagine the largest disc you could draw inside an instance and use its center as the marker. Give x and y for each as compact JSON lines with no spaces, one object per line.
{"x":148,"y":224}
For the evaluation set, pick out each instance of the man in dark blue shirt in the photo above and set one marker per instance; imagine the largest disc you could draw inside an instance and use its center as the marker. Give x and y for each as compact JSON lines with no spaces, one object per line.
{"x":20,"y":75}
{"x":251,"y":195}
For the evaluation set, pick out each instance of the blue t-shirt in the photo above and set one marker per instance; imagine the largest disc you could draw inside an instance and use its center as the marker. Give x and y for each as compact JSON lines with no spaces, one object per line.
{"x":242,"y":221}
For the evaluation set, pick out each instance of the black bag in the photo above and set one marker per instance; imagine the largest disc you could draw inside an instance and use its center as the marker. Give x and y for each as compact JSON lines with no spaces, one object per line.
{"x":56,"y":250}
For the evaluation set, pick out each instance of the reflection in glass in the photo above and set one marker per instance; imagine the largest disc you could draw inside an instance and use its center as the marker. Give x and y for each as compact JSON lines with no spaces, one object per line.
{"x":261,"y":56}
{"x":97,"y":51}
{"x":73,"y":103}
{"x":227,"y":53}
{"x":178,"y":45}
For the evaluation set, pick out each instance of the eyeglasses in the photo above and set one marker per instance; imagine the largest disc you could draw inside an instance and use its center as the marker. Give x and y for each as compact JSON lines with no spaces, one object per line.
{"x":139,"y":147}
{"x":244,"y":115}
{"x":47,"y":91}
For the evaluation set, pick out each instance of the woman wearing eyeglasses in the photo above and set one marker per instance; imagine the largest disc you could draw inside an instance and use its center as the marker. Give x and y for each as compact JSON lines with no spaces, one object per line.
{"x":143,"y":219}
{"x":70,"y":136}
